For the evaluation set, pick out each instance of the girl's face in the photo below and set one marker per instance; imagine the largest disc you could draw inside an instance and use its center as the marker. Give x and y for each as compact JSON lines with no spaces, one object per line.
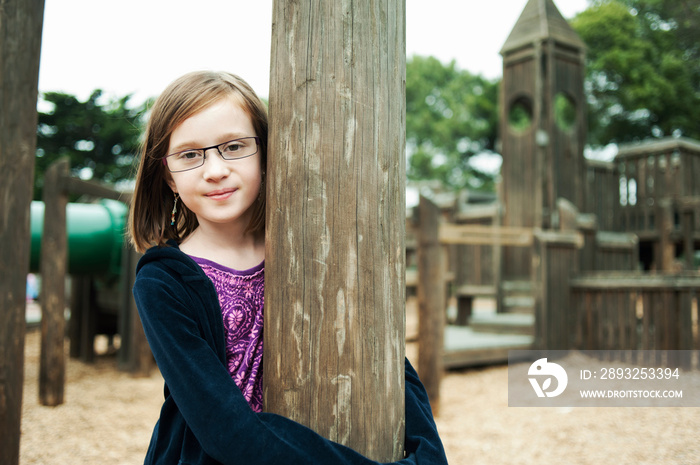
{"x":220,"y":192}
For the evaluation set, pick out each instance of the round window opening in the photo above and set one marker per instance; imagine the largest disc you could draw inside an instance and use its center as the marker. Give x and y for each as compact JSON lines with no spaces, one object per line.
{"x":564,"y":112}
{"x":520,"y":114}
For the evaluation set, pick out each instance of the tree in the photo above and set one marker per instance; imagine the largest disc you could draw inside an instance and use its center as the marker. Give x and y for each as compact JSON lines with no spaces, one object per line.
{"x":101,"y":139}
{"x":643,"y":72}
{"x":451,"y":115}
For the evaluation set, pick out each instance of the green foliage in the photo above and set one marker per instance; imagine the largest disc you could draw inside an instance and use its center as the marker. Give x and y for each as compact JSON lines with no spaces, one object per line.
{"x":450,"y":116}
{"x":520,"y":116}
{"x":101,"y":139}
{"x":643,"y":68}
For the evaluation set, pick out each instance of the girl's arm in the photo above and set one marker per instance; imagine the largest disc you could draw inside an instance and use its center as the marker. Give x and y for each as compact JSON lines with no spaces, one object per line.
{"x":422,"y":439}
{"x":214,"y":409}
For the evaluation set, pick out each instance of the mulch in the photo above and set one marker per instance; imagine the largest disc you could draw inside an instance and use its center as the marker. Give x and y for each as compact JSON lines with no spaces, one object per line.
{"x":108,"y":416}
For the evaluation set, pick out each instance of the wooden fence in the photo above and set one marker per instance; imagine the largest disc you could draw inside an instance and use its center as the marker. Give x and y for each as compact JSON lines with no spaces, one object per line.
{"x":610,"y":310}
{"x":646,"y":312}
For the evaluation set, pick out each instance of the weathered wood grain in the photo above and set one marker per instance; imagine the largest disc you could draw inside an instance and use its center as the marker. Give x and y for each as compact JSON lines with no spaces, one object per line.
{"x":54,"y":261}
{"x":20,"y":44}
{"x":431,"y":301}
{"x":335,"y":260}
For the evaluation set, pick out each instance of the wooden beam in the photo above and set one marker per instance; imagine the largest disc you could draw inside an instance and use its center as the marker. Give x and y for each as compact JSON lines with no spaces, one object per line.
{"x":94,"y":189}
{"x":637,"y":280}
{"x":335,"y":257}
{"x":20,"y":45}
{"x":485,"y":235}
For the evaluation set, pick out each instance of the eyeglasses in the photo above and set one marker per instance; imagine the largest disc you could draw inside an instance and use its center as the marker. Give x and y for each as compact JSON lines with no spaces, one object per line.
{"x":194,"y":158}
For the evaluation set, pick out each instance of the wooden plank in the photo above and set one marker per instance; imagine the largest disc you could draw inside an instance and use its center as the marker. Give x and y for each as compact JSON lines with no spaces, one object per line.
{"x":608,"y":331}
{"x":634,"y":322}
{"x":335,"y":254}
{"x":687,"y":220}
{"x":465,"y":347}
{"x":647,"y":322}
{"x":475,"y":291}
{"x":672,"y":319}
{"x":598,"y":321}
{"x":636,"y":281}
{"x":659,"y":324}
{"x":503,"y":323}
{"x":540,"y":287}
{"x":94,"y":189}
{"x":652,"y":147}
{"x":20,"y":46}
{"x":621,"y":309}
{"x":485,"y":235}
{"x":685,"y":319}
{"x":576,"y":307}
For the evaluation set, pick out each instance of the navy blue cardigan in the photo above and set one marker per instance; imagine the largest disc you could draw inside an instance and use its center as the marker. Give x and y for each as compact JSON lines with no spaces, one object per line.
{"x":205,"y":419}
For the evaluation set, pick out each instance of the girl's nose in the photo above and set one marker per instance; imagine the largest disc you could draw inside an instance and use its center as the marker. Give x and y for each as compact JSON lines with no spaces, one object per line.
{"x":215,"y":167}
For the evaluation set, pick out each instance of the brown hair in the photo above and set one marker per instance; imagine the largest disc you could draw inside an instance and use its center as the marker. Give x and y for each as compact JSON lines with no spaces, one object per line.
{"x":152,"y":203}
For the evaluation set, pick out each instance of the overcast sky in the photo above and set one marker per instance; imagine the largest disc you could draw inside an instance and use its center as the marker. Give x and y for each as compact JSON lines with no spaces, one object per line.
{"x":139,"y":46}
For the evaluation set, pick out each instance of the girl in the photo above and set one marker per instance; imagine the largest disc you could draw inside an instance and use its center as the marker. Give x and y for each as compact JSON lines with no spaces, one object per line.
{"x":199,"y":209}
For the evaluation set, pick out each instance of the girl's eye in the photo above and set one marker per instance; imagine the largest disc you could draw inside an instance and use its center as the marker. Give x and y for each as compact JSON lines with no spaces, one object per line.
{"x":234,"y":146}
{"x":193,"y":155}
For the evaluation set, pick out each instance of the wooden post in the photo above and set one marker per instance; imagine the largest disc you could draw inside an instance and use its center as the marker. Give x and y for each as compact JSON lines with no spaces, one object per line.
{"x":54,"y":262}
{"x":335,"y":259}
{"x":555,"y":262}
{"x":665,"y":249}
{"x":687,"y":229}
{"x":135,"y":354}
{"x":431,"y":301}
{"x":20,"y":44}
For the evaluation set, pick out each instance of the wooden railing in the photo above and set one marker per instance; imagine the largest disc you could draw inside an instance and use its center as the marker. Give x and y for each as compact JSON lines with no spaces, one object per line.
{"x":485,"y":235}
{"x":637,"y":311}
{"x":627,"y":193}
{"x":602,"y":197}
{"x":610,"y":310}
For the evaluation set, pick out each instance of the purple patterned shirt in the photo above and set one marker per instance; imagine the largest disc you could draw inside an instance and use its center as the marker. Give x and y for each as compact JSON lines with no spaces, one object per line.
{"x":241,"y":296}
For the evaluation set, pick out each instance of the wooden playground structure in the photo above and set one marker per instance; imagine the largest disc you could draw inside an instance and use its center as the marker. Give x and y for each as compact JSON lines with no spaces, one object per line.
{"x":574,"y":254}
{"x":633,"y":286}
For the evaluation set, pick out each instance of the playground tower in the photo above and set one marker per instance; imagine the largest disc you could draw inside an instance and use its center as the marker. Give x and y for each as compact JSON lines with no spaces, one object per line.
{"x":543,"y":127}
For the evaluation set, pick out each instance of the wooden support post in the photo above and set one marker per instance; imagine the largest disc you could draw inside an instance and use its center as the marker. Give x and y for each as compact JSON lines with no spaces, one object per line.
{"x":665,"y":251}
{"x":588,"y":227}
{"x":20,"y":44}
{"x":431,"y":301}
{"x":555,"y":262}
{"x":335,"y":257}
{"x":81,"y":327}
{"x":54,"y":261}
{"x":134,"y":355}
{"x":687,"y":222}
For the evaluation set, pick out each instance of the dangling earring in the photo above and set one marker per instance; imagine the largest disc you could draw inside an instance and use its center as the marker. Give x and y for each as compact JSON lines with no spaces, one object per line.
{"x":172,"y":215}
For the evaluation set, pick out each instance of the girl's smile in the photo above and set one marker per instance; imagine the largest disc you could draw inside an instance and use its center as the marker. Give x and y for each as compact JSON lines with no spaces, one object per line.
{"x":221,"y":194}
